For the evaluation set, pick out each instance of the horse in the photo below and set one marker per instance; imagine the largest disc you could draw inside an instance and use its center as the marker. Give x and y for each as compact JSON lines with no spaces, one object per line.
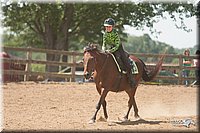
{"x":107,"y":77}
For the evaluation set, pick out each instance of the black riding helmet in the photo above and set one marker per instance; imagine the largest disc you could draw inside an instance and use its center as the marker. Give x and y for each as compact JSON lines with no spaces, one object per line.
{"x":109,"y":22}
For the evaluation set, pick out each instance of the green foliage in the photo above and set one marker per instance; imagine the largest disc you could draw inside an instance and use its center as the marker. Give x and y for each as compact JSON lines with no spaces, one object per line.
{"x":37,"y":68}
{"x":70,"y":26}
{"x":144,"y":44}
{"x":38,"y":56}
{"x":28,"y":39}
{"x":192,"y":50}
{"x":34,"y":22}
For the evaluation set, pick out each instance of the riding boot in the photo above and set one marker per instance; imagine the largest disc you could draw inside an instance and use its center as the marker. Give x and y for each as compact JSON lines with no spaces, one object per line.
{"x":120,"y":62}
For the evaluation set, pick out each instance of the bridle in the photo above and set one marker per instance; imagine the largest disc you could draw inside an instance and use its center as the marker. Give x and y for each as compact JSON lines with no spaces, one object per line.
{"x":94,"y":63}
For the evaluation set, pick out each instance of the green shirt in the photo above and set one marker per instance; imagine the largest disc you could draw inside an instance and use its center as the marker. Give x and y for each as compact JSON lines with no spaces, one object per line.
{"x":111,"y":41}
{"x":186,"y":59}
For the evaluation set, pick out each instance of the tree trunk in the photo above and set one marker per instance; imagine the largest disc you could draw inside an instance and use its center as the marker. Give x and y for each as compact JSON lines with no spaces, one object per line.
{"x":63,"y":43}
{"x":58,"y":40}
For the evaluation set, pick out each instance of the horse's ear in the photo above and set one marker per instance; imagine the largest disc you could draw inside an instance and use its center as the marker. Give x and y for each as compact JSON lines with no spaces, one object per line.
{"x":90,"y":44}
{"x":94,"y":46}
{"x":86,"y":48}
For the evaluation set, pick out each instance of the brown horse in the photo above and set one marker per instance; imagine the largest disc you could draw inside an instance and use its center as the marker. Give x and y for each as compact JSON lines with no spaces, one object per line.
{"x":108,"y":78}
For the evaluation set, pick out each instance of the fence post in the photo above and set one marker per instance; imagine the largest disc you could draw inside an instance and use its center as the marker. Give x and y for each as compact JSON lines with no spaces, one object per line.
{"x":28,"y":64}
{"x":180,"y":78}
{"x":74,"y":67}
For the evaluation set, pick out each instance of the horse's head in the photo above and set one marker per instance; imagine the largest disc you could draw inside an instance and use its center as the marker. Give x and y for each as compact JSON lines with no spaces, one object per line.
{"x":89,"y":60}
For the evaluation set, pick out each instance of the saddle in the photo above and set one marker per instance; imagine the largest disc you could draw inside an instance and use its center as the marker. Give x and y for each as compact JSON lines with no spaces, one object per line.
{"x":134,"y":68}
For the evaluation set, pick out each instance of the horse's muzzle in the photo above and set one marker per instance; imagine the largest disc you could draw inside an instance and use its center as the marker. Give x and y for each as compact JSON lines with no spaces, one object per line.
{"x":87,"y":75}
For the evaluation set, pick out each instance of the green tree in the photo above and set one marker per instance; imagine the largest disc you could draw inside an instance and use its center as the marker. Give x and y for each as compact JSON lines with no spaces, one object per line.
{"x":144,"y":44}
{"x":56,"y":25}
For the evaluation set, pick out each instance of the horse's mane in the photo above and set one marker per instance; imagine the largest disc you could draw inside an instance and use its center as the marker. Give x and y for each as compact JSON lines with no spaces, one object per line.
{"x":92,"y":47}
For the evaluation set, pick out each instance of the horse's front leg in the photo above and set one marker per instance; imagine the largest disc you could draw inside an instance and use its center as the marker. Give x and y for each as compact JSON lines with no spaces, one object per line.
{"x":100,"y":90}
{"x":101,"y":100}
{"x":130,"y":103}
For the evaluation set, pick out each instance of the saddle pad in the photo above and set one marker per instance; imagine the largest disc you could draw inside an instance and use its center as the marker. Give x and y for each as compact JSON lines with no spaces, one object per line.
{"x":134,"y":66}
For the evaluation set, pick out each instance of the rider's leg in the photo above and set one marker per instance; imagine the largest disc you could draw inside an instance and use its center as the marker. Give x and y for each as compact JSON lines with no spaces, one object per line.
{"x":117,"y":55}
{"x":128,"y":66}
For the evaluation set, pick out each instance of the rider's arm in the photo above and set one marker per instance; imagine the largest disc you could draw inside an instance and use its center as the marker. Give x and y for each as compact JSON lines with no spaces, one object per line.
{"x":104,"y":43}
{"x":116,"y":42}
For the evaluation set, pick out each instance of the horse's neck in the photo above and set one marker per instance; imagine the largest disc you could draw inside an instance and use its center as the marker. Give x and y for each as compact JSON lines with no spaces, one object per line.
{"x":101,"y":61}
{"x":105,"y":69}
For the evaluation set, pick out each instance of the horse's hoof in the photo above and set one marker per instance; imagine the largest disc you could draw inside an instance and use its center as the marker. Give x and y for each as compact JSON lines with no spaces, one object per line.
{"x":101,"y":119}
{"x":123,"y":119}
{"x":137,"y":117}
{"x":91,"y":121}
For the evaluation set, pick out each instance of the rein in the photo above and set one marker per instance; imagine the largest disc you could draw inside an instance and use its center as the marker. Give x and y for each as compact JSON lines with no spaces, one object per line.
{"x":104,"y":65}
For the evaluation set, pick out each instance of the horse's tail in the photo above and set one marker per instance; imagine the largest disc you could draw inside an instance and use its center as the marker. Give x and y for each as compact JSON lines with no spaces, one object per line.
{"x":152,"y":74}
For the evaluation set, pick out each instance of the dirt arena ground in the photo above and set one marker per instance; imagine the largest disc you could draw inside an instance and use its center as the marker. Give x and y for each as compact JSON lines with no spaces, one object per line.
{"x":69,"y":107}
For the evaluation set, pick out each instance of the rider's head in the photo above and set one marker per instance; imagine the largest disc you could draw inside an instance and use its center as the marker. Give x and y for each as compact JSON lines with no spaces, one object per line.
{"x":109,"y":23}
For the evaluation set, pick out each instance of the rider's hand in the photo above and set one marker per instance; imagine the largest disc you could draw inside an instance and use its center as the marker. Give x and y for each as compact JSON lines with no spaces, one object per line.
{"x":107,"y":51}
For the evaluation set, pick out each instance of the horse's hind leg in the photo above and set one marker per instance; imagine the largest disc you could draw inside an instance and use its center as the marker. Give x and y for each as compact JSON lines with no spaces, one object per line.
{"x":135,"y":108}
{"x":101,"y":100}
{"x":104,"y":109}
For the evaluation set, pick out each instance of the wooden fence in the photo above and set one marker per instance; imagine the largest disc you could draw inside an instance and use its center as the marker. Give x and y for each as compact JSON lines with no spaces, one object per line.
{"x":74,"y":57}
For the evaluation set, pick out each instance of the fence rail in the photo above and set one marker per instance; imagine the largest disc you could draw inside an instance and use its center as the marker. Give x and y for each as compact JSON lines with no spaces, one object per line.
{"x":28,"y":61}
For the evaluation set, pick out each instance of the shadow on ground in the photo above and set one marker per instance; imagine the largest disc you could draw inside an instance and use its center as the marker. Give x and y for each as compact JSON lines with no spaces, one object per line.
{"x":140,"y":121}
